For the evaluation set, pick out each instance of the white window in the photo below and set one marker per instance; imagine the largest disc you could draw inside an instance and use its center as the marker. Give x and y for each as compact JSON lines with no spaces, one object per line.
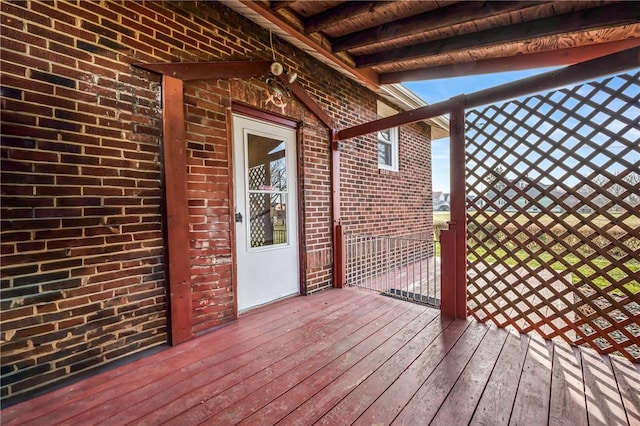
{"x":387,"y":141}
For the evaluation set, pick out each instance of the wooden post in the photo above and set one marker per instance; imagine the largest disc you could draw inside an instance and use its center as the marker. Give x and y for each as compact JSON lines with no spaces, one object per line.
{"x":339,"y":259}
{"x":175,"y":183}
{"x":458,"y":220}
{"x":448,"y":271}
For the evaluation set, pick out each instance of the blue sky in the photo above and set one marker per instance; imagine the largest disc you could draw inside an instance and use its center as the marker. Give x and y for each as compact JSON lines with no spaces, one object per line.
{"x":433,"y":91}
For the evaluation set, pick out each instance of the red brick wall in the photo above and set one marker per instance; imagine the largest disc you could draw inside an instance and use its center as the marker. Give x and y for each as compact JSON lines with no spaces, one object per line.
{"x":208,"y":193}
{"x":83,"y":277}
{"x":82,"y":246}
{"x":381,"y":202}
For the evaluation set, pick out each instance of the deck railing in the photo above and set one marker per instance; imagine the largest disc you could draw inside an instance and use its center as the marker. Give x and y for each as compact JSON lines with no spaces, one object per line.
{"x":403,"y":267}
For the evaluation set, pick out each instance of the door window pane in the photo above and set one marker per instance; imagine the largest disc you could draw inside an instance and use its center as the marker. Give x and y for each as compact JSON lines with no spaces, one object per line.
{"x":268,"y":219}
{"x":267,"y":188}
{"x":267,"y":164}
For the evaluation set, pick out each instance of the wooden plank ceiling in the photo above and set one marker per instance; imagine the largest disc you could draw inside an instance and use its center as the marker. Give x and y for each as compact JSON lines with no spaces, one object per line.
{"x":383,"y":42}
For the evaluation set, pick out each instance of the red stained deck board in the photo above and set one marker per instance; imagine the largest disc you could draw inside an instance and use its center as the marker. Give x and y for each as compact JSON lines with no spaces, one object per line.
{"x":252,"y":326}
{"x":233,"y":387}
{"x":264,"y":395}
{"x":353,"y":405}
{"x":285,"y":396}
{"x":496,"y":403}
{"x":531,"y":406}
{"x":425,"y":403}
{"x":97,"y":390}
{"x":459,"y":405}
{"x":567,"y":405}
{"x":187,"y":375}
{"x":316,"y":406}
{"x":604,"y":405}
{"x":394,"y":398}
{"x":195,"y":386}
{"x":319,"y":357}
{"x":628,"y":379}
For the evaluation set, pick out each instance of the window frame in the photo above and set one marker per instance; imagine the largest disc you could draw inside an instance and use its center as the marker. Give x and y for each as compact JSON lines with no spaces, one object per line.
{"x":384,"y":110}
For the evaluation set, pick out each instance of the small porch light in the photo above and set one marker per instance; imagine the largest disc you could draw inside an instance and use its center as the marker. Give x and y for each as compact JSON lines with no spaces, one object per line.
{"x":277,"y":68}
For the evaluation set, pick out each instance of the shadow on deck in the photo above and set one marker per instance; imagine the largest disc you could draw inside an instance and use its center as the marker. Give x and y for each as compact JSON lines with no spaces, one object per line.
{"x":351,"y":356}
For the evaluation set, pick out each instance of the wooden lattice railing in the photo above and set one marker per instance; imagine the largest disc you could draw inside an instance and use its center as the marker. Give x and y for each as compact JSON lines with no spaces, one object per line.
{"x":553,"y":201}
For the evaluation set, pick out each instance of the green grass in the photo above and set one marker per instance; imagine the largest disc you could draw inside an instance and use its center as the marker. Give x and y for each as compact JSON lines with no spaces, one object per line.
{"x":515,"y":258}
{"x":511,"y":256}
{"x":500,"y":218}
{"x":571,"y":220}
{"x":444,"y":216}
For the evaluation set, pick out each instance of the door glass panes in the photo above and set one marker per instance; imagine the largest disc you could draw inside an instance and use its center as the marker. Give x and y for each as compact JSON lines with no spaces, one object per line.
{"x":267,"y":191}
{"x":267,"y":164}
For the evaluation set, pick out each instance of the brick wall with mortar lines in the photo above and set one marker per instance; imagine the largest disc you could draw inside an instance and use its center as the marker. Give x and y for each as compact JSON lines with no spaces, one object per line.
{"x":394,"y":203}
{"x":81,"y":175}
{"x":208,"y":194}
{"x":82,"y":248}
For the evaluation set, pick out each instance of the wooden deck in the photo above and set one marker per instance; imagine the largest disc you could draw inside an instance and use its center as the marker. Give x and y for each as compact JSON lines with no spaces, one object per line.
{"x":351,"y":357}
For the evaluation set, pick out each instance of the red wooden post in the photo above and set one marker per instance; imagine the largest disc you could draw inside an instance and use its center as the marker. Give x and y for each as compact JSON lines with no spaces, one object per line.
{"x":175,"y":177}
{"x":339,"y":255}
{"x":458,"y":219}
{"x":448,"y":271}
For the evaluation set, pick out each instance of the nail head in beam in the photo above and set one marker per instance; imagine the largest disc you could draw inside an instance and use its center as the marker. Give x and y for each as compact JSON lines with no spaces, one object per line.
{"x":278,"y":5}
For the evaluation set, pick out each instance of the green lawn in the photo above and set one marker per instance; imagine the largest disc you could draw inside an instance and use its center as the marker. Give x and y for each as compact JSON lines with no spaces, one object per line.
{"x":509,"y":254}
{"x":443,"y":216}
{"x":513,"y":258}
{"x":633,"y":221}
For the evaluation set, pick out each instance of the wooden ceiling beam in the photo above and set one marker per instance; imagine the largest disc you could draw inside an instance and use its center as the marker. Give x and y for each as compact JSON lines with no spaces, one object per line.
{"x":457,"y":13}
{"x":344,"y":12}
{"x":308,"y":101}
{"x":609,"y":15}
{"x":514,"y":63}
{"x":187,"y":71}
{"x":313,"y":48}
{"x":277,"y":5}
{"x":606,"y":65}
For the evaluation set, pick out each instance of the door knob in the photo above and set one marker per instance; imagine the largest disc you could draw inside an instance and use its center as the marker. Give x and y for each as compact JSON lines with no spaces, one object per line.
{"x":238,"y":217}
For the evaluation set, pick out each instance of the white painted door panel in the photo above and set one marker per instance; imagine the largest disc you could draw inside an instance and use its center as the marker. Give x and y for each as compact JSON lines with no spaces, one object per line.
{"x":266,"y":212}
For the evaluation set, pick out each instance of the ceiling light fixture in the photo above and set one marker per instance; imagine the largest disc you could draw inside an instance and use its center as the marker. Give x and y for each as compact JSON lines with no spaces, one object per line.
{"x":276,"y":68}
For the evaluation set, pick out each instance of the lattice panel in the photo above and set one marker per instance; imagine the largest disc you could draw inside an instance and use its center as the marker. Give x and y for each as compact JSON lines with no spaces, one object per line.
{"x":553,"y":186}
{"x":258,"y":220}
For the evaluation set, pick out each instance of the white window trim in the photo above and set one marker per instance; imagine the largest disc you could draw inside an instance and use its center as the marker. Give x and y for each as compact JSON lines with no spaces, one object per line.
{"x":385,"y":111}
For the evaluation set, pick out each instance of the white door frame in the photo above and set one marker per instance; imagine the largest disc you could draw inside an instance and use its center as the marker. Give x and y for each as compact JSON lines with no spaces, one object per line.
{"x":265,"y":271}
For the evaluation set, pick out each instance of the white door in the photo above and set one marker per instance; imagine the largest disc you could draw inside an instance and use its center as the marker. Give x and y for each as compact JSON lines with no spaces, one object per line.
{"x":266,"y":211}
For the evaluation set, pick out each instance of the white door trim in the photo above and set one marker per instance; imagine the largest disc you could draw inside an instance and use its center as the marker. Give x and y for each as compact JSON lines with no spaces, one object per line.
{"x":267,"y":260}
